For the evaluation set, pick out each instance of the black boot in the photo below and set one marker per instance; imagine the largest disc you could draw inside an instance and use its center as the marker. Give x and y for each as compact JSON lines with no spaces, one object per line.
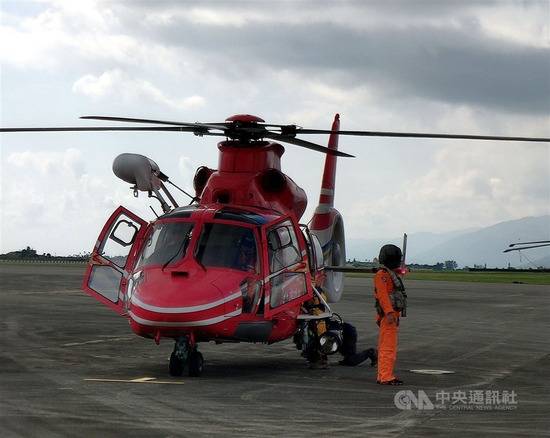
{"x":373,"y":356}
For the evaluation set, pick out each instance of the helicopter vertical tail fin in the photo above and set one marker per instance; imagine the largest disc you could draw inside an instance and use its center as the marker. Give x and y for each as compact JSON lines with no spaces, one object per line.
{"x":326,"y":198}
{"x":327,"y":222}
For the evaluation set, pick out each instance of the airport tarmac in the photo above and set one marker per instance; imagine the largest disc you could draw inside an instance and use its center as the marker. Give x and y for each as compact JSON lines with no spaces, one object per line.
{"x":71,"y":367}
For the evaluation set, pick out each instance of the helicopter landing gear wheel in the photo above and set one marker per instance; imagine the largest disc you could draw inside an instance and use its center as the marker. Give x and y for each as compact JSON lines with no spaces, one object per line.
{"x":176,"y":366}
{"x":196,"y":364}
{"x":179,"y":357}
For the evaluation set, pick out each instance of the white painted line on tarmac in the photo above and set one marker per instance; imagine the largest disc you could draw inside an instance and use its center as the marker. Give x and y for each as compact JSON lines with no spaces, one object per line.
{"x":433,"y":372}
{"x":98,"y":341}
{"x":138,"y":380}
{"x":143,"y":379}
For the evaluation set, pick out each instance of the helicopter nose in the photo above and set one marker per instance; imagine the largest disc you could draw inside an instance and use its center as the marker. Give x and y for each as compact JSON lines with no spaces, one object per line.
{"x":182,"y":303}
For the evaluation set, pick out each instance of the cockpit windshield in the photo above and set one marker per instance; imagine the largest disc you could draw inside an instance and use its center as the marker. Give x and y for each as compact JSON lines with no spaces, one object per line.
{"x":227,"y":246}
{"x":166,"y":244}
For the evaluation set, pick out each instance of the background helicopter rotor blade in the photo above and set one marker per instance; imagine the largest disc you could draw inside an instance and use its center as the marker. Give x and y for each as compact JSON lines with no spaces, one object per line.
{"x":525,"y":247}
{"x":346,"y":269}
{"x":418,"y":135}
{"x":305,"y":144}
{"x":109,"y":128}
{"x":528,"y":243}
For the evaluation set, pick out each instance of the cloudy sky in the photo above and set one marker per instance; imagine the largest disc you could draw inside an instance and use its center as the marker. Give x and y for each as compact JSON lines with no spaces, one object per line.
{"x":478,"y":67}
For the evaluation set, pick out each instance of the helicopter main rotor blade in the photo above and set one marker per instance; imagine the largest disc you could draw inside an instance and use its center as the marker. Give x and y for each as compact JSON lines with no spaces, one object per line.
{"x":109,"y":128}
{"x":220,"y":126}
{"x":418,"y":135}
{"x":305,"y":144}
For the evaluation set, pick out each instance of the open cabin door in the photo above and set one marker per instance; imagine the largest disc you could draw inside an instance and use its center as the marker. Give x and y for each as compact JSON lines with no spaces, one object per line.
{"x":113,"y":258}
{"x":288,"y":284}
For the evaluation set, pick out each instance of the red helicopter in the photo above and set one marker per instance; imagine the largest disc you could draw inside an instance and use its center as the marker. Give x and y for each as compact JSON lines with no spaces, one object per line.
{"x":235,"y":265}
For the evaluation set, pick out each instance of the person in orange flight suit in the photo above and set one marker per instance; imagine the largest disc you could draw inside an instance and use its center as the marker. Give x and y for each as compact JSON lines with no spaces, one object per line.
{"x":390,"y":297}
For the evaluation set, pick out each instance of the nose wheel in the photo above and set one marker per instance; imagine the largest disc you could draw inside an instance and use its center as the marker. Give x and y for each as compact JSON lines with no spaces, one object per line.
{"x":196,"y":363}
{"x":185,"y":355}
{"x":176,"y":365}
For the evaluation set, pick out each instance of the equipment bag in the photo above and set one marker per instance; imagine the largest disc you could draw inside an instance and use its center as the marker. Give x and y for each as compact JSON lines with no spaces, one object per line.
{"x":398,"y":296}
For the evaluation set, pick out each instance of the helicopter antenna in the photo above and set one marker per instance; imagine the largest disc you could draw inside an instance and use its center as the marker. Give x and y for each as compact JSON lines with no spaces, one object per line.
{"x":164,"y":205}
{"x":168,"y":194}
{"x":153,"y":210}
{"x":193,"y":198}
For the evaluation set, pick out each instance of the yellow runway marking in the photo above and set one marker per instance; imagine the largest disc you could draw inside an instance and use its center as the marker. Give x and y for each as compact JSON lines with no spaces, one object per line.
{"x":138,"y":380}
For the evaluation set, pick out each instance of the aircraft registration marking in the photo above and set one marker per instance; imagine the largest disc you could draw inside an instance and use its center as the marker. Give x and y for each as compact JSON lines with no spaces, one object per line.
{"x":152,"y":380}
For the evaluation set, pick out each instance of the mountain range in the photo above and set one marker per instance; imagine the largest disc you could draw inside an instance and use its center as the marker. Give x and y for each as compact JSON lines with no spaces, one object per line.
{"x":468,"y":247}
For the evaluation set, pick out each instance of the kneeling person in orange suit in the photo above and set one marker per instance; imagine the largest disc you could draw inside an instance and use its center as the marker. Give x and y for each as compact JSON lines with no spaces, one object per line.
{"x":390,"y":303}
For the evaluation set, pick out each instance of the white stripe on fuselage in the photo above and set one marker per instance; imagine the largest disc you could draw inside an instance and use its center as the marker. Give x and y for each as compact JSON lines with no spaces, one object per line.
{"x":323,"y":209}
{"x":189,"y":309}
{"x":203,"y":322}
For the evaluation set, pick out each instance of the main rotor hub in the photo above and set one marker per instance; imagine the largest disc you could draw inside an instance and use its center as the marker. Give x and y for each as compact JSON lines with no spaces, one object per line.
{"x":245,"y":128}
{"x":245,"y":118}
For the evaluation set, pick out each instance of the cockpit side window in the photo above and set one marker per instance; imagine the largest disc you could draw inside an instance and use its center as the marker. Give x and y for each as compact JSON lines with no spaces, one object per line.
{"x":227,"y":246}
{"x":282,"y":246}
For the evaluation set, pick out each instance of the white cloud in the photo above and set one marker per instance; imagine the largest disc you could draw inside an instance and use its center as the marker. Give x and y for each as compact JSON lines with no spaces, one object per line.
{"x":29,"y":48}
{"x":98,"y":86}
{"x":524,"y":23}
{"x":69,"y":163}
{"x":114,"y":83}
{"x":51,"y":202}
{"x":133,"y":57}
{"x":83,"y":30}
{"x":186,"y":167}
{"x":528,"y":25}
{"x":220,"y":18}
{"x":95,"y":15}
{"x":467,"y":187}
